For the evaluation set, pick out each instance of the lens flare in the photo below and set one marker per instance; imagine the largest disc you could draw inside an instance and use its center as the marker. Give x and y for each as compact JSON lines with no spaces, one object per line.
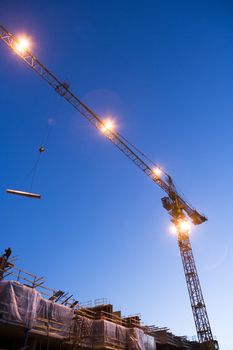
{"x":173,"y":229}
{"x":22,"y":45}
{"x":184,"y":226}
{"x":109,"y":125}
{"x":181,"y":226}
{"x":157,"y":172}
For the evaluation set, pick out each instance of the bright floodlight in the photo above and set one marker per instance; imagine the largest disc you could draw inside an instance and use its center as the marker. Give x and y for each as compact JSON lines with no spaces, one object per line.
{"x":184,"y":226}
{"x":109,"y":125}
{"x":157,"y":171}
{"x":181,"y":226}
{"x":22,"y":45}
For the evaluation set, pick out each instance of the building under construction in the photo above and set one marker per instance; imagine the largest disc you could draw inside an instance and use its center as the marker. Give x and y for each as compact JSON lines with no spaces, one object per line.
{"x":33,"y":316}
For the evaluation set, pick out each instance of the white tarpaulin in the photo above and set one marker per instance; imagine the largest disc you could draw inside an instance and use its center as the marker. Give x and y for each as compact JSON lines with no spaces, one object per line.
{"x":24,"y":306}
{"x":18,"y":303}
{"x":138,"y":340}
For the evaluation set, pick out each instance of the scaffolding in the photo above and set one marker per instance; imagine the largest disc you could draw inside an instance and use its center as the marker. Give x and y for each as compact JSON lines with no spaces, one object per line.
{"x":24,"y":307}
{"x":33,"y":316}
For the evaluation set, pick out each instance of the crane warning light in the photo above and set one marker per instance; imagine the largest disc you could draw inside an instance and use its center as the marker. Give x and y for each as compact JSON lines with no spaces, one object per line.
{"x":157,"y":171}
{"x":22,"y":45}
{"x":109,"y":125}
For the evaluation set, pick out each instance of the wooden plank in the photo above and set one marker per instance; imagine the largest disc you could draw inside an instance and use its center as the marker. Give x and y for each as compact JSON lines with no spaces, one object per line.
{"x":24,"y":194}
{"x":46,"y":320}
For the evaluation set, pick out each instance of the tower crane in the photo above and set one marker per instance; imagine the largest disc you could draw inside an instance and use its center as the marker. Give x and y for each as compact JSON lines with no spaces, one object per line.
{"x":179,"y":210}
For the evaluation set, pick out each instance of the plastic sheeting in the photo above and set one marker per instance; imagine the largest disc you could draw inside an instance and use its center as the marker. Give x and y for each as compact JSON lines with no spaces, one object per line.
{"x":18,"y":303}
{"x":25,"y":306}
{"x":82,"y":331}
{"x":138,"y":340}
{"x":106,"y":332}
{"x":60,"y":317}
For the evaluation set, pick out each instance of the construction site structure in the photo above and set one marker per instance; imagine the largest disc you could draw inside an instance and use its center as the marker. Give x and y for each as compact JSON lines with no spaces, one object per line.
{"x":35,"y":317}
{"x":180,"y":211}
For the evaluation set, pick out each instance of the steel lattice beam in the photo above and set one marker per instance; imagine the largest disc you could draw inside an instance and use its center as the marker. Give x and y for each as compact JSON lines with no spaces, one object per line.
{"x":201,"y":319}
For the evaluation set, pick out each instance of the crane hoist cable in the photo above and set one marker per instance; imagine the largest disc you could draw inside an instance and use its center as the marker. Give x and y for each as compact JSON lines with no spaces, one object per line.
{"x":32,"y":173}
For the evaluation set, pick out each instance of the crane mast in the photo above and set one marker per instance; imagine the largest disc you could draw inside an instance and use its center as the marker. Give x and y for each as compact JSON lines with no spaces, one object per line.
{"x":178,"y":208}
{"x":196,"y":298}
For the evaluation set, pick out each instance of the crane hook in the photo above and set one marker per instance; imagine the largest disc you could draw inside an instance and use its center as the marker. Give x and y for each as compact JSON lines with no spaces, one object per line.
{"x":42,"y":149}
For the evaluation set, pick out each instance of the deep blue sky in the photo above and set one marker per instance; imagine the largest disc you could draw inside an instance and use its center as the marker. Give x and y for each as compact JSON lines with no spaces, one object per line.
{"x":164,"y":70}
